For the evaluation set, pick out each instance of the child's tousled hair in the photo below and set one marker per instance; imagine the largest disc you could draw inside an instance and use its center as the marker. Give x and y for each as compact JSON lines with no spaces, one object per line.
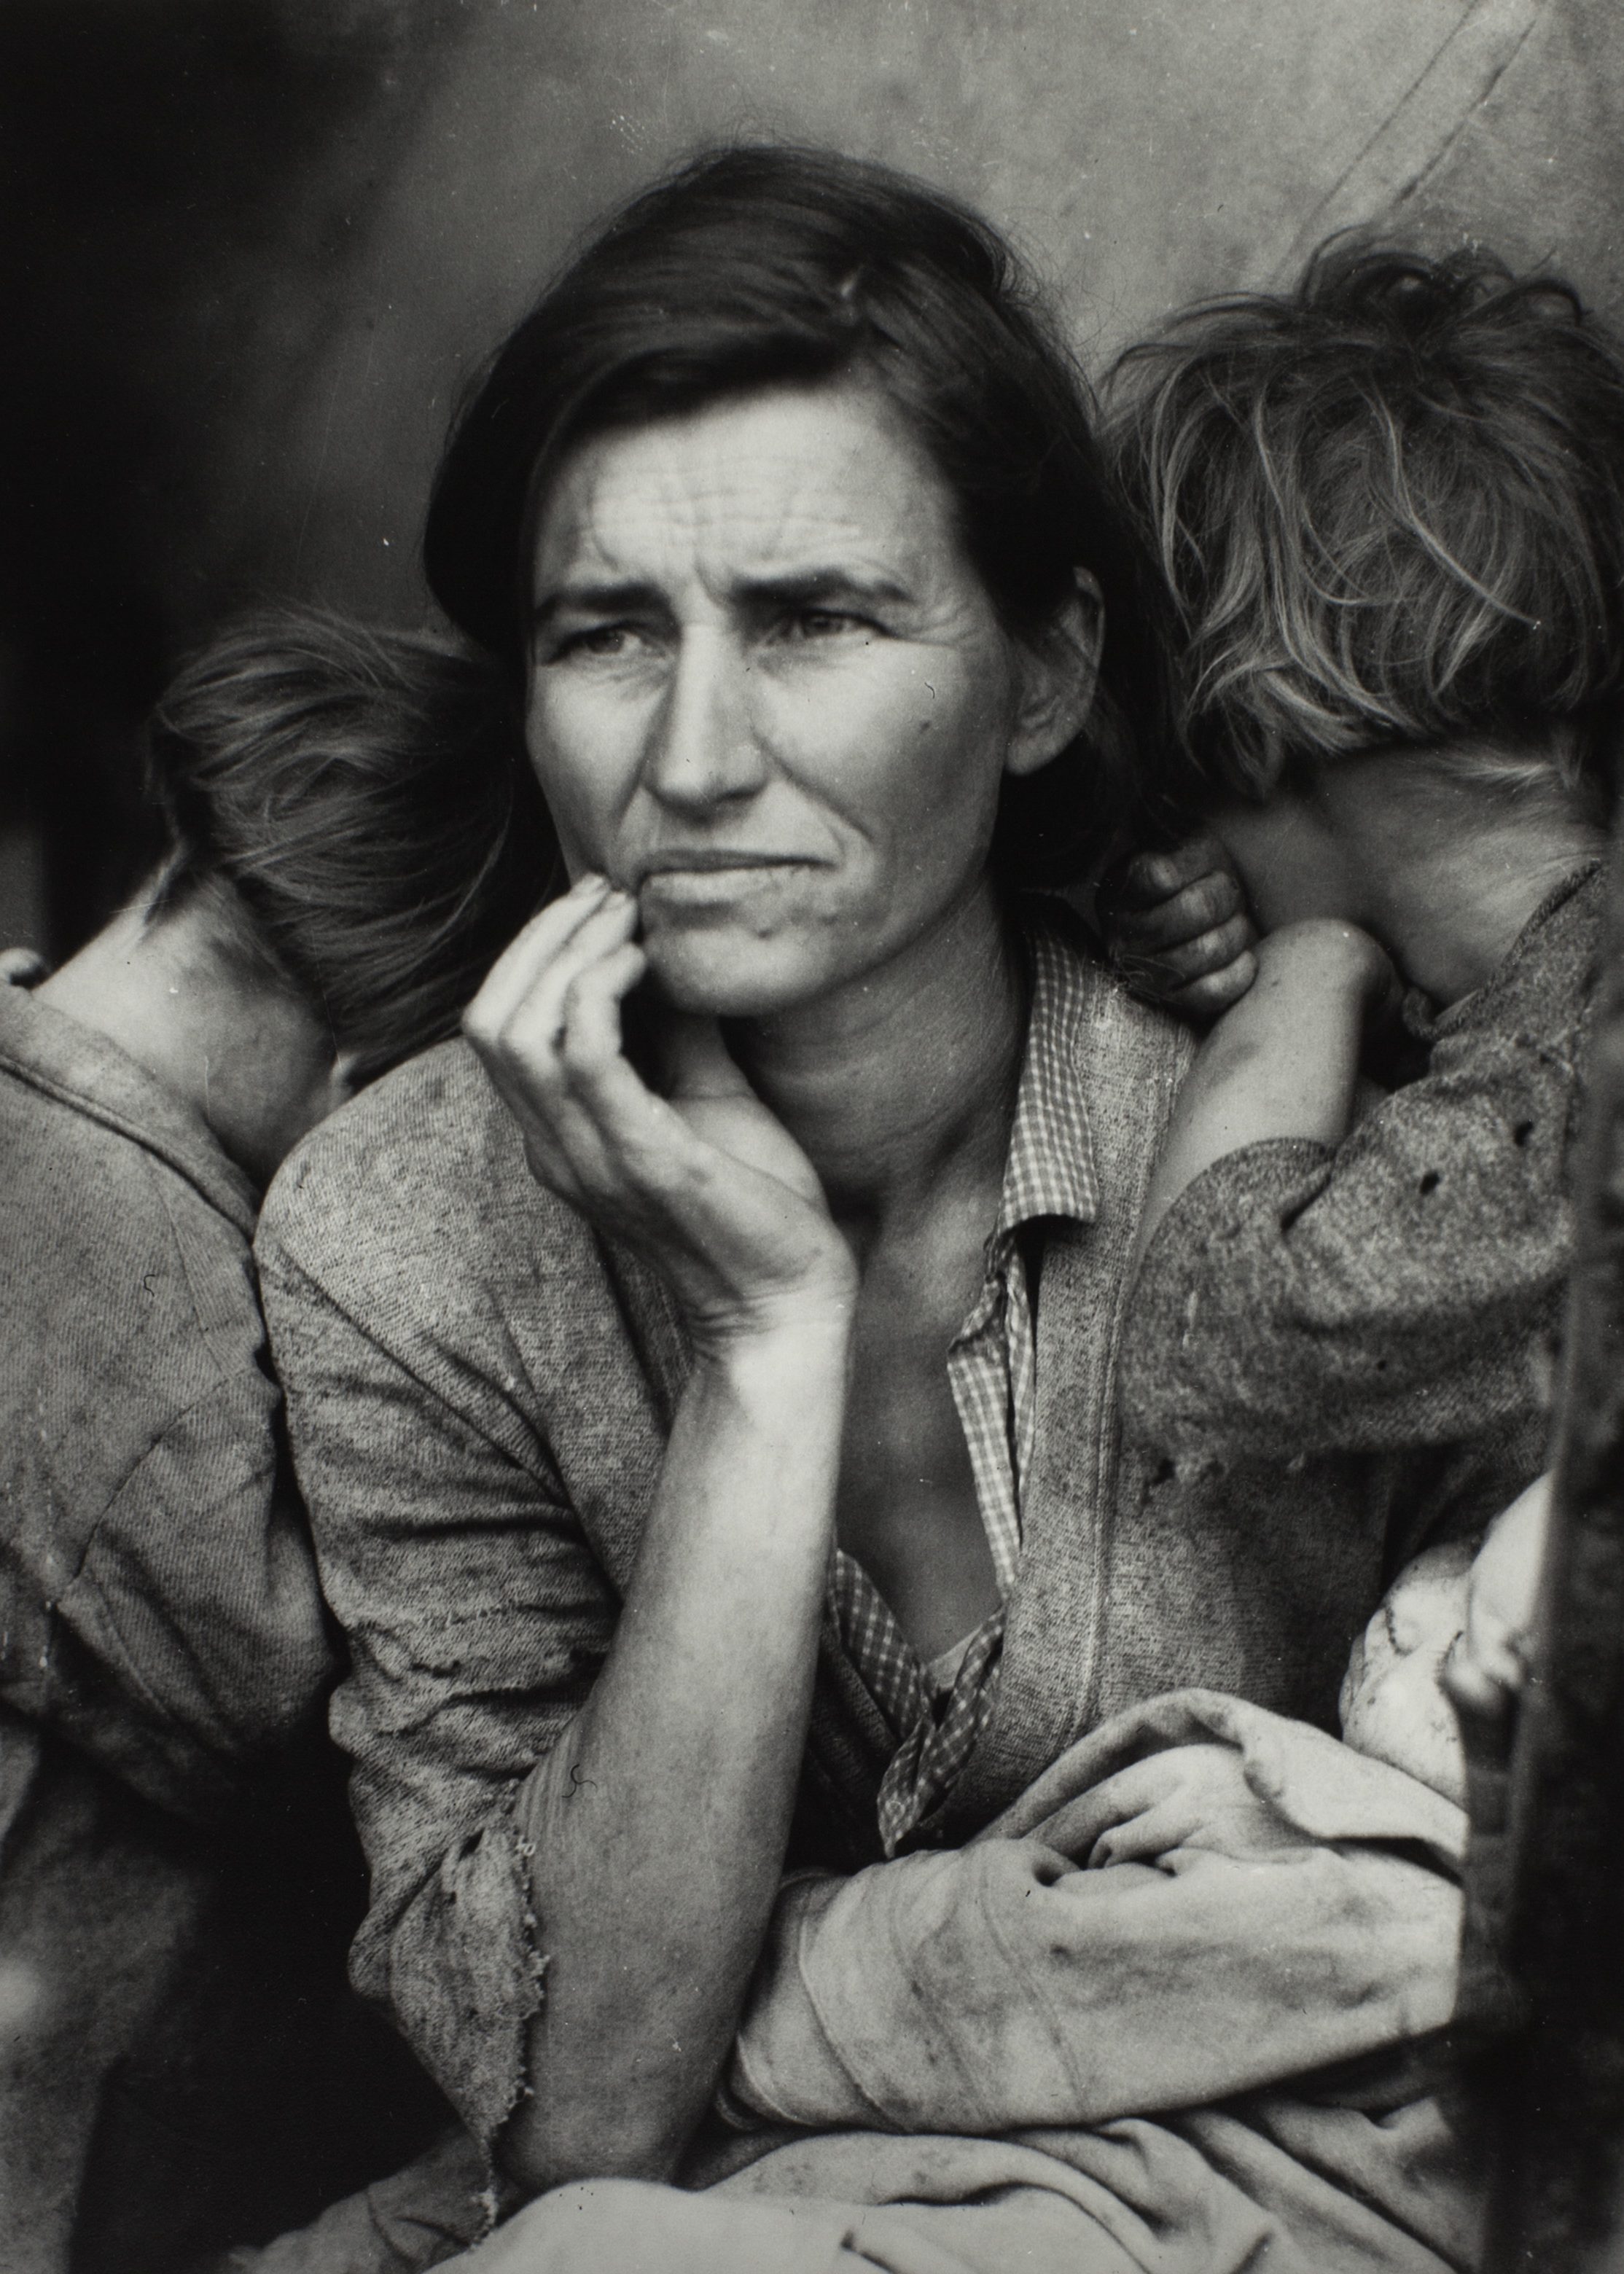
{"x":1389,"y":507}
{"x":356,"y":805}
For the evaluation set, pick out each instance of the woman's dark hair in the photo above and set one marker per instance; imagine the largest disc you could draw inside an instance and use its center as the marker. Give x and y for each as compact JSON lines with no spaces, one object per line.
{"x":1389,"y":506}
{"x":359,"y":805}
{"x":762,"y":265}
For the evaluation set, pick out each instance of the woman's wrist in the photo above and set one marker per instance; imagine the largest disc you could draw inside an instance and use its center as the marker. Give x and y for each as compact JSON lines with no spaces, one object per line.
{"x":802,"y":1337}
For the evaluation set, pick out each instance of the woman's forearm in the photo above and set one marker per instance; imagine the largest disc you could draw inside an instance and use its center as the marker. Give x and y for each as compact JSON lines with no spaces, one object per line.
{"x":1283,"y":1063}
{"x":659,"y":1824}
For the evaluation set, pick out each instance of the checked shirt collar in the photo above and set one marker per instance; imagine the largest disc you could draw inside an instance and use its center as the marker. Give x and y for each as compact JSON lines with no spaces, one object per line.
{"x":992,"y":1370}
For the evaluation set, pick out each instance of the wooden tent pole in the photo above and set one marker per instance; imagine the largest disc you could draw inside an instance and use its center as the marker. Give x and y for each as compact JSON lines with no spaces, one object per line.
{"x":1547,"y":1884}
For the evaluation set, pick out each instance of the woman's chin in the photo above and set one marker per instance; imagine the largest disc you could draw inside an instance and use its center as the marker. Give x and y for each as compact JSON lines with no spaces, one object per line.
{"x":728,"y":977}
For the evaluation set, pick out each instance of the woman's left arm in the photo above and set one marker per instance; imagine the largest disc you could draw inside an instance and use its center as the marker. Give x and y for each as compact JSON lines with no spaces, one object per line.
{"x":999,"y":1987}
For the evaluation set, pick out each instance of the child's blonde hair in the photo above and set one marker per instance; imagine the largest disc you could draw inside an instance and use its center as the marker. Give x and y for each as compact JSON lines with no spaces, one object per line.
{"x":1389,"y":507}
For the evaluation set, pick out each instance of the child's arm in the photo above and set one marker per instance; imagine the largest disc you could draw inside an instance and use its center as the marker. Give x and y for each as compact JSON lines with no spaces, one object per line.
{"x":1380,"y":1291}
{"x":1488,"y":1668}
{"x":1393,"y":1292}
{"x":1284,"y":1062}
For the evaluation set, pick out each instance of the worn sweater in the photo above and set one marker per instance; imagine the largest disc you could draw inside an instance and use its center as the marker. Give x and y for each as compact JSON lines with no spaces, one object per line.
{"x":479,"y":1392}
{"x":159,"y":1605}
{"x":1403,"y":1288}
{"x":177,"y":1880}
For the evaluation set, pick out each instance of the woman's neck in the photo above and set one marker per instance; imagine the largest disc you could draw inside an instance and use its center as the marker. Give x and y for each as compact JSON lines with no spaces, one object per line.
{"x":900,"y":1088}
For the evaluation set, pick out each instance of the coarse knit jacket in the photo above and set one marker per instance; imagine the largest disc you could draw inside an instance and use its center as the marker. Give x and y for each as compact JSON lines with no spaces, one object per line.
{"x":164,"y":1654}
{"x":159,"y":1604}
{"x":1403,"y":1288}
{"x":480,"y":1394}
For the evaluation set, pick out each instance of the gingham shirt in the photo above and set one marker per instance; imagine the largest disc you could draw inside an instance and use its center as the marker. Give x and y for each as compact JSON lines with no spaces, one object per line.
{"x":992,"y":1370}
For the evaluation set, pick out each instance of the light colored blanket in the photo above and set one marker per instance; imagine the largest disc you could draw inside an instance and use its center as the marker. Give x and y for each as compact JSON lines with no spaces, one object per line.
{"x":997,"y":2061}
{"x":1002,"y":1985}
{"x":1005,"y":2062}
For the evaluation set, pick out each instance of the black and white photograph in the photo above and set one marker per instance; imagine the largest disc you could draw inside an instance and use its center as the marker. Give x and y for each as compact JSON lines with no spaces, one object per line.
{"x":812,"y":1137}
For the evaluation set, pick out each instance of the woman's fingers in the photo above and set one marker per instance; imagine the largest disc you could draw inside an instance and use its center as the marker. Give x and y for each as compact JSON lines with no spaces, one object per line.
{"x":1142,"y":1811}
{"x":574,"y":959}
{"x":621,"y":1129}
{"x":593,"y":1130}
{"x":705,"y":1183}
{"x":589,"y":1011}
{"x":529,"y":953}
{"x":523,"y":1027}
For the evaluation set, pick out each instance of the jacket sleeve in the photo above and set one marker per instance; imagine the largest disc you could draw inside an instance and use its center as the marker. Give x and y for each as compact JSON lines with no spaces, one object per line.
{"x":476,"y":1619}
{"x":1000,"y":1986}
{"x":191,"y":1642}
{"x":1399,"y":1291}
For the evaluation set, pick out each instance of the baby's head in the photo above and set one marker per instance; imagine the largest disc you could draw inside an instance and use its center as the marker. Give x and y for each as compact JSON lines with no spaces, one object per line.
{"x":1389,"y":505}
{"x":1471,"y":1611}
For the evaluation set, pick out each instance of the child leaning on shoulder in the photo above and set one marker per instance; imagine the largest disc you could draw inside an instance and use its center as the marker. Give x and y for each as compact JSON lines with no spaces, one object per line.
{"x":1390,"y":508}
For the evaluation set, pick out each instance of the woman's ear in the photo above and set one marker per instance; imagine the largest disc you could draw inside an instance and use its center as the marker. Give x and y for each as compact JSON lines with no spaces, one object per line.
{"x":1059,"y":672}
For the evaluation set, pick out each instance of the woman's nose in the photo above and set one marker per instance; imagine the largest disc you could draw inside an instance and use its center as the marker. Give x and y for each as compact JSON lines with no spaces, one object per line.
{"x":704,"y":749}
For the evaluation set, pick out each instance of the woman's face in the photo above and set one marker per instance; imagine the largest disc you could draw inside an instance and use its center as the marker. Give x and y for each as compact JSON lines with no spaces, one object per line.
{"x":769,"y":693}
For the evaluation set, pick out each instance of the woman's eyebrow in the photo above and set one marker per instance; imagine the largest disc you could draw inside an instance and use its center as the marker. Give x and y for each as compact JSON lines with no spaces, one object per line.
{"x":812,"y":585}
{"x":594,"y":599}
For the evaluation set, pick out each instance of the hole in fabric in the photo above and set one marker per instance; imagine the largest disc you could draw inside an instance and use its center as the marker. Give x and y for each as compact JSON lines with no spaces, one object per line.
{"x":1429,"y":1183}
{"x":1523,"y":1131}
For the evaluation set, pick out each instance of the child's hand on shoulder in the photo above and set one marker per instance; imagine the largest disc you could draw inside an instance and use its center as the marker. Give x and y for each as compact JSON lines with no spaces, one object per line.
{"x":1177,"y":928}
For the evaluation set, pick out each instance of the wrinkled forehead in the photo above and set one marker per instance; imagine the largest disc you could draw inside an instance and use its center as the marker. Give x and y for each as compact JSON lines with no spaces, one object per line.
{"x":753,"y":487}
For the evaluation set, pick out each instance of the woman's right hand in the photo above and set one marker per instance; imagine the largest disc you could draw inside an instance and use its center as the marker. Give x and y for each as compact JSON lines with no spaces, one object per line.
{"x":704,"y":1182}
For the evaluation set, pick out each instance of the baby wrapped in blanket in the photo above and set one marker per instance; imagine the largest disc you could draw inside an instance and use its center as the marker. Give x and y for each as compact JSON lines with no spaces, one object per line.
{"x":1124,"y":2032}
{"x":997,"y":1993}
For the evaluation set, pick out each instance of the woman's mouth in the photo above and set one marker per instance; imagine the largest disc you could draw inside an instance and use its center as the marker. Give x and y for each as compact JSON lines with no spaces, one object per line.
{"x":704,"y":879}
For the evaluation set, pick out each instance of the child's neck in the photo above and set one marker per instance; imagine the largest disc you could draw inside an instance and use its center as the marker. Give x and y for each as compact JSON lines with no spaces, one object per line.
{"x":256,"y":1066}
{"x":1445,"y":872}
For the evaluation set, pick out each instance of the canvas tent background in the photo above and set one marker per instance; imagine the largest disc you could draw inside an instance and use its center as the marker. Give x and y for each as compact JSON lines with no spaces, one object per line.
{"x":254,"y":251}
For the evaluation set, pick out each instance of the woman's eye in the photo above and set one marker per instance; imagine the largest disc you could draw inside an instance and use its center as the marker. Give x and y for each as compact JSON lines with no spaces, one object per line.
{"x":606,"y":640}
{"x":823,"y":624}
